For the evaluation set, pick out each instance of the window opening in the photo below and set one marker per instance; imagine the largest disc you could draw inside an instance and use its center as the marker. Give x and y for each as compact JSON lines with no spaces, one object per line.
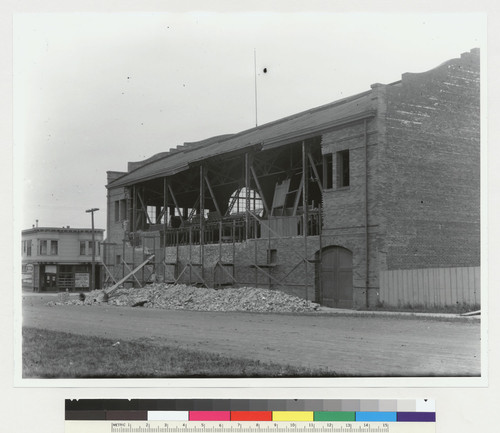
{"x":343,"y":175}
{"x":43,"y":247}
{"x":151,"y":210}
{"x":54,"y":247}
{"x":328,"y":171}
{"x":237,"y":202}
{"x":82,"y":248}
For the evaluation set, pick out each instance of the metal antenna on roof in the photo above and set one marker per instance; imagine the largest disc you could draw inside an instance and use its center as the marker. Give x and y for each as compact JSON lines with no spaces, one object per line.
{"x":255,"y":73}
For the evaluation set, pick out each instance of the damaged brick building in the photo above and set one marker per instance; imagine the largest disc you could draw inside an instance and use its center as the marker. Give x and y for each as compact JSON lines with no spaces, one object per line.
{"x":373,"y":198}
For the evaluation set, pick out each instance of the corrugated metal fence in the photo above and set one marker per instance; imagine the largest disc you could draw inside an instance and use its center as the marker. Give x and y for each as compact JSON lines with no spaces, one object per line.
{"x":431,"y":287}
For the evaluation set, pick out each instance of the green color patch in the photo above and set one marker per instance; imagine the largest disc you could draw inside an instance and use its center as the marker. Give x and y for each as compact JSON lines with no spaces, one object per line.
{"x":334,"y":416}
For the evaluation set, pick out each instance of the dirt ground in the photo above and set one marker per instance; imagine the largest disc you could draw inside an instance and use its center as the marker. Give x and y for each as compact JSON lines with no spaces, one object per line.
{"x":361,"y":345}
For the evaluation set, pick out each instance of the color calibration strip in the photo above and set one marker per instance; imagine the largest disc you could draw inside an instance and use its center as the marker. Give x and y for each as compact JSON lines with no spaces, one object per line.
{"x":253,"y":410}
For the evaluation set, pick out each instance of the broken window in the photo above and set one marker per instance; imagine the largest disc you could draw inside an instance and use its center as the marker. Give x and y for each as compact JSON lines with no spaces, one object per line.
{"x":343,"y":176}
{"x":237,"y":202}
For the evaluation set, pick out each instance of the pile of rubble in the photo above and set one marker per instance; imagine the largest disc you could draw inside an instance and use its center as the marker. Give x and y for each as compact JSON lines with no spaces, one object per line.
{"x":182,"y":297}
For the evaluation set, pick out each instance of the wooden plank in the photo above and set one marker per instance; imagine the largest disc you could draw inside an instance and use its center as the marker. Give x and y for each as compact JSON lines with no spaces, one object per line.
{"x":175,"y":202}
{"x":212,"y":195}
{"x":115,"y":286}
{"x":297,"y":196}
{"x":259,"y":189}
{"x":477,"y":285}
{"x":128,"y":267}
{"x":460,"y":285}
{"x":453,"y":286}
{"x":315,"y":171}
{"x":280,"y":193}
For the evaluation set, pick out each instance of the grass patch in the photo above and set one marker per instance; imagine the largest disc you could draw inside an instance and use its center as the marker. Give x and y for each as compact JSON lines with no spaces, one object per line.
{"x":52,"y":354}
{"x":459,"y":308}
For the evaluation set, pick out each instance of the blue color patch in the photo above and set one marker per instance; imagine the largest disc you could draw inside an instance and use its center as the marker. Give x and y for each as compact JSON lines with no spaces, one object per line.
{"x":376,"y":416}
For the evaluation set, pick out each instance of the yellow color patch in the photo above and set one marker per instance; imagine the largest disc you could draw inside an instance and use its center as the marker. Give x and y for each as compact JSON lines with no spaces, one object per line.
{"x":293,"y":416}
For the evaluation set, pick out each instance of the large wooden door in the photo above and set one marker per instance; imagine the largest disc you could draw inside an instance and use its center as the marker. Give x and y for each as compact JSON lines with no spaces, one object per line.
{"x":336,"y":277}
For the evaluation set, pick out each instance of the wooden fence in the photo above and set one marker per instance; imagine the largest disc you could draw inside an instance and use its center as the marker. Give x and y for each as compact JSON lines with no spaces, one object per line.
{"x":431,"y":287}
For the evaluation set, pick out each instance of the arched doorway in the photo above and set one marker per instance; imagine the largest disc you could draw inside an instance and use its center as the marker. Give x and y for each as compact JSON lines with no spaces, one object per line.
{"x":335,"y":273}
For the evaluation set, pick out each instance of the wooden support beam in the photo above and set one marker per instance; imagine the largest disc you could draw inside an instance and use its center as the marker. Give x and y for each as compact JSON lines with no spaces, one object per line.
{"x":175,"y":202}
{"x":109,"y":272}
{"x":128,"y":267}
{"x":297,"y":196}
{"x":134,"y":210}
{"x":247,"y":195}
{"x":202,"y":213}
{"x":212,"y":195}
{"x":165,"y":201}
{"x":220,"y":265}
{"x":144,"y":208}
{"x":194,"y":208}
{"x":126,"y":277}
{"x":315,"y":171}
{"x":259,"y":189}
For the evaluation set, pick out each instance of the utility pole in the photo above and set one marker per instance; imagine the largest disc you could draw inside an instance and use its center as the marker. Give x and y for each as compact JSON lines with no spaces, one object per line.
{"x":92,"y":279}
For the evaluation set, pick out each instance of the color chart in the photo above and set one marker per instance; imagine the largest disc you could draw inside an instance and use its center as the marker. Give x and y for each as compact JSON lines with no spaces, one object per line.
{"x":250,"y":416}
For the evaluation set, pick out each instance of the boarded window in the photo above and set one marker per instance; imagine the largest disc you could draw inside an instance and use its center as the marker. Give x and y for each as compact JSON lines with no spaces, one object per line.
{"x":343,"y":176}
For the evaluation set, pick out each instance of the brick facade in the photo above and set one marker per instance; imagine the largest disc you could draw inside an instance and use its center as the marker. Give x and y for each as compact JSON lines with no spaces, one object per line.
{"x":431,"y":213}
{"x":412,"y":199}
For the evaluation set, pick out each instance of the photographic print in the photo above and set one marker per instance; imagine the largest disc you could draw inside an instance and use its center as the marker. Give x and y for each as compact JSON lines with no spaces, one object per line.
{"x":249,"y":195}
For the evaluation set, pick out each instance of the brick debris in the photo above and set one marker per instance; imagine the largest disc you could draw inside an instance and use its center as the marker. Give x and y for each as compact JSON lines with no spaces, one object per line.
{"x":183,"y":297}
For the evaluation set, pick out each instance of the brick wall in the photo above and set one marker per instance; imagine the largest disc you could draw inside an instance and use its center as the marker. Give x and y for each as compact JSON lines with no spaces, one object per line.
{"x":344,"y":209}
{"x":289,"y":253}
{"x":115,"y":229}
{"x":430,"y":163}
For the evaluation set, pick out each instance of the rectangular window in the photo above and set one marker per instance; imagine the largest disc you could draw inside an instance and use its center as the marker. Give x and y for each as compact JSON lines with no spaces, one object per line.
{"x":328,"y":171}
{"x":98,"y":248}
{"x":118,"y":259}
{"x":152,"y":214}
{"x":123,"y":210}
{"x":272,"y":256}
{"x":54,"y":248}
{"x":117,"y":211}
{"x":82,"y":248}
{"x":43,"y":247}
{"x":343,"y":176}
{"x":28,"y":248}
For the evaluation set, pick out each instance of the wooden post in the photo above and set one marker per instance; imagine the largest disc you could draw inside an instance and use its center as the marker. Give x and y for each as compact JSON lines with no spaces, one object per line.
{"x":247,"y":195}
{"x":305,"y":212}
{"x":202,"y":217}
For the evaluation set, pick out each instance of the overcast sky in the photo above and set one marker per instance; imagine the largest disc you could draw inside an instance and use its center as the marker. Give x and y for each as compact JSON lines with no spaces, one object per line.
{"x":94,"y":91}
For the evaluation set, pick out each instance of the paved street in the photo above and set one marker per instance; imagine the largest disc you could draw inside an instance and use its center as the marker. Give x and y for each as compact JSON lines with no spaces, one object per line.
{"x":362,"y":345}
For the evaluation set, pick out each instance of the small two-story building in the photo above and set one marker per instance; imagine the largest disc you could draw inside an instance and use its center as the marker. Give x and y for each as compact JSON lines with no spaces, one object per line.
{"x":60,"y":258}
